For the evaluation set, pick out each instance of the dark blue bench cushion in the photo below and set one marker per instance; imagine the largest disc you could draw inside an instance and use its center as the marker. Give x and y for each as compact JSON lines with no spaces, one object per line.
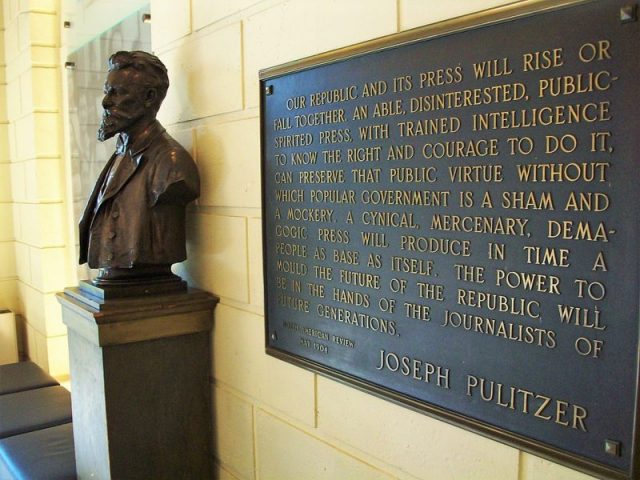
{"x":34,"y":410}
{"x":17,"y":377}
{"x":43,"y":454}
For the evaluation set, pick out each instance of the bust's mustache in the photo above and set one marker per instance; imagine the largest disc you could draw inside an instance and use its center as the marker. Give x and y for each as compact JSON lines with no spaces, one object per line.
{"x":112,"y":116}
{"x":111,"y":123}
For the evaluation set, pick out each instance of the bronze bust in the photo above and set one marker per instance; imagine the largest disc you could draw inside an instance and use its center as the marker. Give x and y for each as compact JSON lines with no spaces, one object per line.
{"x":133,"y":227}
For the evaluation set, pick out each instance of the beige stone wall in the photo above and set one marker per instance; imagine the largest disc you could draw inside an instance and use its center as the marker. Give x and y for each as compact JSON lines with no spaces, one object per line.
{"x":273,"y":420}
{"x":8,"y":275}
{"x":32,"y":129}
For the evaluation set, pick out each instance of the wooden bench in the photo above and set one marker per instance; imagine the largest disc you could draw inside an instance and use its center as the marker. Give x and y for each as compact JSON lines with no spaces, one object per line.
{"x":35,"y":409}
{"x":17,"y":377}
{"x":36,"y":434}
{"x":46,"y":453}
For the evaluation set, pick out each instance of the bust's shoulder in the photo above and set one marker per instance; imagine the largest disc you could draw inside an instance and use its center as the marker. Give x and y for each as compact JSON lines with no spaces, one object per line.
{"x":165,"y":148}
{"x":172,"y":174}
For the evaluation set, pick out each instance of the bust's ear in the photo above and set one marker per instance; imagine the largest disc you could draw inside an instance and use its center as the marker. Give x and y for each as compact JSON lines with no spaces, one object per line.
{"x":150,"y":97}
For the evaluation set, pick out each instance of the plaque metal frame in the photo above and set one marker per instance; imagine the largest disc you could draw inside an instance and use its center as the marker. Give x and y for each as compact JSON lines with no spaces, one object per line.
{"x":485,"y":18}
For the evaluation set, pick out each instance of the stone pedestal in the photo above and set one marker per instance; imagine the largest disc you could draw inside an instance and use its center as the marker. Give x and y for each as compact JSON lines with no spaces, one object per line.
{"x":140,"y":384}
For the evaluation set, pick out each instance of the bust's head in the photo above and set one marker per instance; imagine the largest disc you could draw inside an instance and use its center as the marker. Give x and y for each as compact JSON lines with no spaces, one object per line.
{"x":133,"y":92}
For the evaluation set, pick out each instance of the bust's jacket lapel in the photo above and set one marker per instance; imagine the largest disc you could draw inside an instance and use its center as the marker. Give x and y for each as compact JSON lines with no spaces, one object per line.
{"x":132,"y":161}
{"x":126,"y":169}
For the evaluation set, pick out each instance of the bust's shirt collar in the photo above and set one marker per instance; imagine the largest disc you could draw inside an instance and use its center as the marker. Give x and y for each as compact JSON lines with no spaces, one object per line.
{"x":121,"y":143}
{"x":142,"y":140}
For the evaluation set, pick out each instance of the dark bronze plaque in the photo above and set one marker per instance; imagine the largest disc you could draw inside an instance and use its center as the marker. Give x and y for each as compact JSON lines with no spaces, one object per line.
{"x":450,"y":221}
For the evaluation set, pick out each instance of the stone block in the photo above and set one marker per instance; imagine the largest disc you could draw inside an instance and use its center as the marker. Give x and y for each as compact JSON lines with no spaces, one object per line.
{"x":52,"y":224}
{"x":43,"y":180}
{"x":9,"y":350}
{"x":25,"y":138}
{"x":229,"y":163}
{"x":47,"y":268}
{"x":49,"y":6}
{"x":58,"y":355}
{"x":185,"y":137}
{"x":240,"y":361}
{"x":33,"y":310}
{"x":233,"y":432}
{"x":5,"y":188}
{"x":9,"y":9}
{"x":13,"y":147}
{"x":7,"y":260}
{"x":206,"y":12}
{"x":26,"y":92}
{"x":18,"y":183}
{"x":4,"y":143}
{"x":31,"y":180}
{"x":29,"y":231}
{"x":394,"y":434}
{"x":43,"y":56}
{"x":20,"y":65}
{"x":256,"y":279}
{"x":9,"y":294}
{"x":45,"y":89}
{"x":17,"y":226}
{"x":3,"y":105}
{"x":47,"y":139}
{"x":171,"y":21}
{"x":53,"y":317}
{"x":24,"y":31}
{"x":23,"y":262}
{"x":31,"y":349}
{"x":49,"y":174}
{"x":43,"y":29}
{"x":217,"y":255}
{"x":42,"y":357}
{"x":11,"y":39}
{"x":42,"y":225}
{"x":6,"y":220}
{"x":286,"y":452}
{"x":415,"y":13}
{"x":6,"y":208}
{"x":220,"y":473}
{"x":14,"y":107}
{"x":536,"y":468}
{"x":297,"y":29}
{"x":205,"y":76}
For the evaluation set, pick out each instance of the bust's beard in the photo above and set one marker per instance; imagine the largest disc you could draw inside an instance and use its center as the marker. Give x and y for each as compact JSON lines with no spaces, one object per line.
{"x":105,"y":134}
{"x":109,"y":126}
{"x":116,"y":122}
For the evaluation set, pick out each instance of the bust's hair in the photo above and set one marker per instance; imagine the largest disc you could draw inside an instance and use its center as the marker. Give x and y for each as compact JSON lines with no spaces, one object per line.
{"x":154,"y":73}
